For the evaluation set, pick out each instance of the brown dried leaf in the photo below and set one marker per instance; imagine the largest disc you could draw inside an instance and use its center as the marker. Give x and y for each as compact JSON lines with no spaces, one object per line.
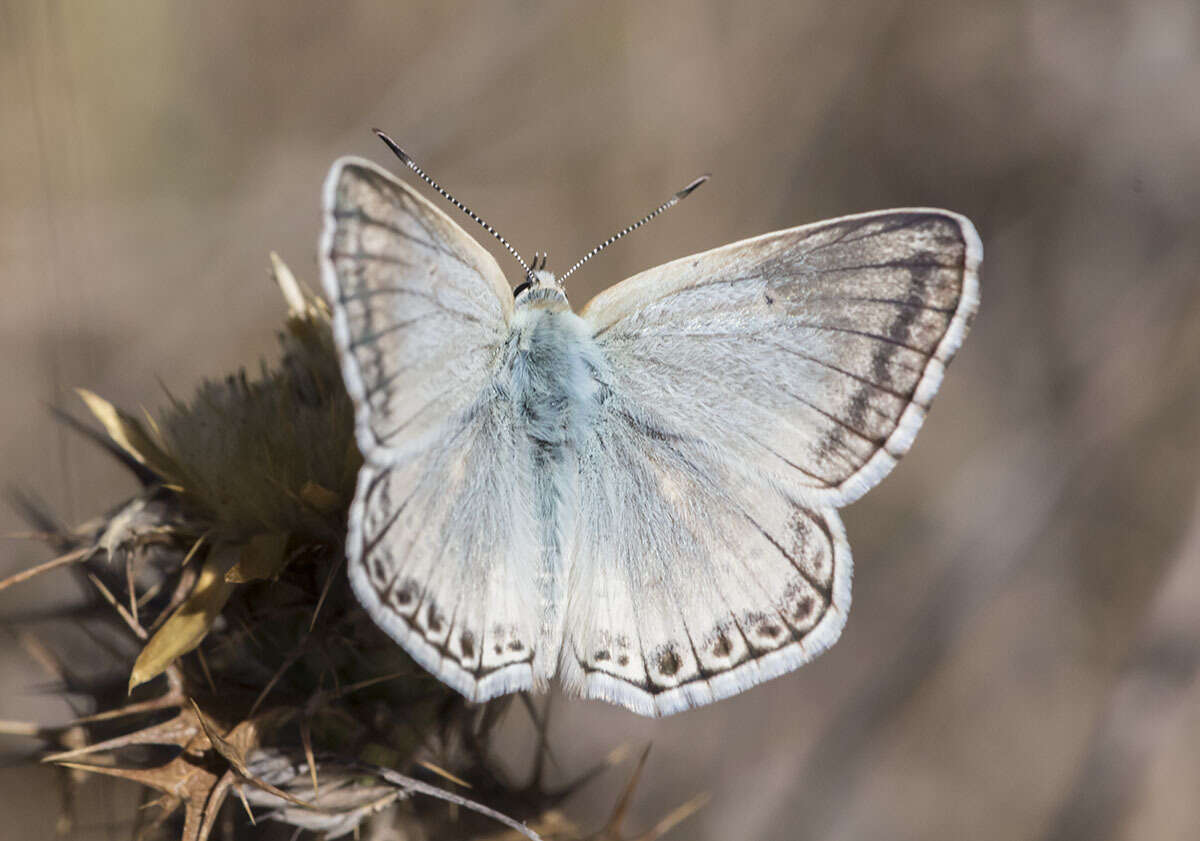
{"x":189,"y":624}
{"x":234,"y":750}
{"x":262,"y":558}
{"x":180,"y":731}
{"x":189,"y":779}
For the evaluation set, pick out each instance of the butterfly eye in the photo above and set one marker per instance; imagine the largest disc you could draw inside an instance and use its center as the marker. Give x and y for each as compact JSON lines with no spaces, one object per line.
{"x":522,"y":287}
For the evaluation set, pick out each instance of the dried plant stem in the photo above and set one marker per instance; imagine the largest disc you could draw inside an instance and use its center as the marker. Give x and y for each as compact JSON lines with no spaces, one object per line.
{"x":413,"y":785}
{"x":71,"y":557}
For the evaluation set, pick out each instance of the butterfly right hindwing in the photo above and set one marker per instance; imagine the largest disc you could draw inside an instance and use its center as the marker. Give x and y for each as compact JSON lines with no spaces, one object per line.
{"x":419,"y":307}
{"x":691,"y":578}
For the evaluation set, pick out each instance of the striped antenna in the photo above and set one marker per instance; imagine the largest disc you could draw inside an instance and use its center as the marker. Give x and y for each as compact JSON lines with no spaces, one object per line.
{"x":669,"y":203}
{"x":411,"y":164}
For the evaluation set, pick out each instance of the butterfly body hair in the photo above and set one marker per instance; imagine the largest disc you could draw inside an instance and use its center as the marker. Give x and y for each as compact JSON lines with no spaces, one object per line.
{"x":551,"y":372}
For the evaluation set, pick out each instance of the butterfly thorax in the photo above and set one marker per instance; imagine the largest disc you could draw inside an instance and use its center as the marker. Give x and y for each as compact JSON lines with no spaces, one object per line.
{"x":550,"y":368}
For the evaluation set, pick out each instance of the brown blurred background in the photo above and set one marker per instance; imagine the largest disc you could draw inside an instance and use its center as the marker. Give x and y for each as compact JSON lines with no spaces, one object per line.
{"x":1021,"y":659}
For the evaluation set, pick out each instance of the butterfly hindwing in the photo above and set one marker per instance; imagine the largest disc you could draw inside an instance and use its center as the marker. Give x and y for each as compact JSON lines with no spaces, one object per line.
{"x":442,"y":557}
{"x":691,"y":578}
{"x":442,"y":548}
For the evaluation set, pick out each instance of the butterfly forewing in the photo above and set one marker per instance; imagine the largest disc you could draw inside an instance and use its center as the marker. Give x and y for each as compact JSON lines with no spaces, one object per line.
{"x":441,"y":545}
{"x":810,"y":353}
{"x":420,"y":307}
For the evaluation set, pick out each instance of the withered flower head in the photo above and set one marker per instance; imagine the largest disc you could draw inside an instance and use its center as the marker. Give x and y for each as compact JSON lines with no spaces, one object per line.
{"x":251,"y":671}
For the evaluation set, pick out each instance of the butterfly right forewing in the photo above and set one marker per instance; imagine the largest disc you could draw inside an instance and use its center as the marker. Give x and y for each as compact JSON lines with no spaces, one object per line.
{"x":419,"y":307}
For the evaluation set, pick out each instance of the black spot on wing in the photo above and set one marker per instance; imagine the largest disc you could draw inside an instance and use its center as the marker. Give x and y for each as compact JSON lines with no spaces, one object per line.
{"x":434,"y":619}
{"x":668,"y":662}
{"x":803,"y":608}
{"x":405,"y":594}
{"x":769,"y":629}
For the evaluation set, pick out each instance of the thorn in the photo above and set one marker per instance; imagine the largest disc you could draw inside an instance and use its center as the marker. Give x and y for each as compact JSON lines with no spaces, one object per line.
{"x":288,"y":285}
{"x":81,"y":554}
{"x":141,"y":472}
{"x":309,"y":757}
{"x":618,"y":813}
{"x":675,"y":817}
{"x":442,"y":772}
{"x":246,"y":805}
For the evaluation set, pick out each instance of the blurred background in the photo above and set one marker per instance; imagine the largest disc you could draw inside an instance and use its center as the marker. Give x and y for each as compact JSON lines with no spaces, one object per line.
{"x":1021,"y":659}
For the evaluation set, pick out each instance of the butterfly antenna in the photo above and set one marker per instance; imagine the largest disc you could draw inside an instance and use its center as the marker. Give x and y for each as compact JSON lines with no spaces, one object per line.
{"x":411,"y":164}
{"x":669,"y":203}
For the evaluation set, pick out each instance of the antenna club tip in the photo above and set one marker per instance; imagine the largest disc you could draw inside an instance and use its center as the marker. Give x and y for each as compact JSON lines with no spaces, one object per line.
{"x":392,"y":144}
{"x":686,"y":191}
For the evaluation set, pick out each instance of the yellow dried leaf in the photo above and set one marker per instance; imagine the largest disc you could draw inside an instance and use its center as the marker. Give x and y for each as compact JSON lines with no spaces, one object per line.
{"x":263,"y":557}
{"x":305,"y":310}
{"x":188,"y":625}
{"x":129,"y":433}
{"x":320,"y":497}
{"x":297,"y":305}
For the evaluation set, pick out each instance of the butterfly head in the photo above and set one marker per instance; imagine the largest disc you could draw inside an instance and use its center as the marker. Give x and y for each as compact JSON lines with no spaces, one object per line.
{"x":540,"y":287}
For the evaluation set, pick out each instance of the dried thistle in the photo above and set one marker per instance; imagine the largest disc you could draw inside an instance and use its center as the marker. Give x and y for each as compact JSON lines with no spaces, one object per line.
{"x":250,"y":669}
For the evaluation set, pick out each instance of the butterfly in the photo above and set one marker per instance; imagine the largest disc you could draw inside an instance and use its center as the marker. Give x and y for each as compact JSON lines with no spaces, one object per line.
{"x":640,"y":498}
